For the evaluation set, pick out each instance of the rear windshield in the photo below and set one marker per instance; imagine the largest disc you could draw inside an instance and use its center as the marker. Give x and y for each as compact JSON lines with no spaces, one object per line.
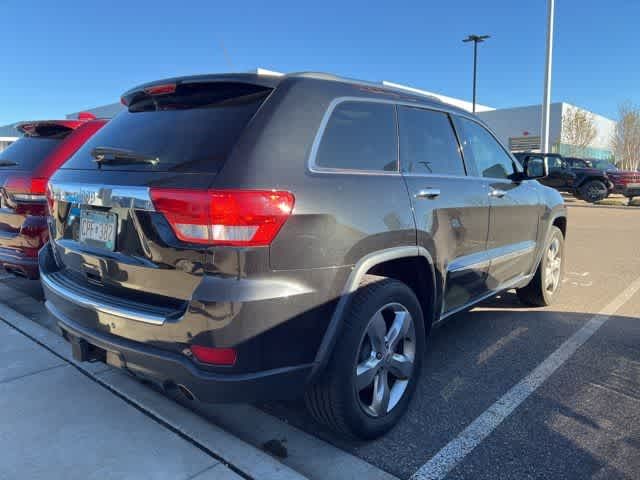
{"x":27,"y":153}
{"x":192,"y":129}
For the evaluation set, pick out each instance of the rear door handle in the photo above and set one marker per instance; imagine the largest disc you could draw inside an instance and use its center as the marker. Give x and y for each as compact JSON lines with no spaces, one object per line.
{"x":428,"y":193}
{"x":497,"y":193}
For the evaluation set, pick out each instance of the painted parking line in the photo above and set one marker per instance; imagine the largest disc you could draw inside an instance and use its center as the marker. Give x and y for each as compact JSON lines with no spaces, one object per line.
{"x":454,"y":452}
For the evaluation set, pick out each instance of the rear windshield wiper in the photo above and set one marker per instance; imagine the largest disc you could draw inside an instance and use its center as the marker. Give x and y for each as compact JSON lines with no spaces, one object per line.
{"x":120,"y":156}
{"x":7,"y":163}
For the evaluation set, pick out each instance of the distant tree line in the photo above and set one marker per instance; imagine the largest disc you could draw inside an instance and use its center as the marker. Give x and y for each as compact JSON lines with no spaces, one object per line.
{"x":626,"y":139}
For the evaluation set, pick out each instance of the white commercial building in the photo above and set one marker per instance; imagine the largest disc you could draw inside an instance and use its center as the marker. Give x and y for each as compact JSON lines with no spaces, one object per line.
{"x":8,"y":135}
{"x":519,"y":129}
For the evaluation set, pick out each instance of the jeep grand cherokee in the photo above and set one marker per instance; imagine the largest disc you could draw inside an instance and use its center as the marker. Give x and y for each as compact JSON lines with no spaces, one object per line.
{"x":244,"y":237}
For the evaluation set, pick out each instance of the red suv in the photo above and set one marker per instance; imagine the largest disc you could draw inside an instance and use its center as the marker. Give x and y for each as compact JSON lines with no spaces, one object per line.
{"x":25,"y":168}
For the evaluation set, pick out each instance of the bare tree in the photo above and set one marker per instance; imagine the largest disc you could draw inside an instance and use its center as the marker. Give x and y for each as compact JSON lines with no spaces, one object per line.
{"x":626,"y":138}
{"x":578,"y":129}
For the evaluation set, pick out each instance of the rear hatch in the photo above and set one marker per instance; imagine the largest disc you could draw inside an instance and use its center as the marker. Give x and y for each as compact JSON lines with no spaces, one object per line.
{"x":22,"y":187}
{"x":173,"y":138}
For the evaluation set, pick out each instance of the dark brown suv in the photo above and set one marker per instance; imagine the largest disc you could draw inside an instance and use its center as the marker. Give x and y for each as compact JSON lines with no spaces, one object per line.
{"x":244,"y":237}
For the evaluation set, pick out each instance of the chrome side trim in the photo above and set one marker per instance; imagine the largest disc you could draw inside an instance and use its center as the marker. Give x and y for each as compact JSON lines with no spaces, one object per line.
{"x":473,"y":261}
{"x":480,"y":260}
{"x":519,"y":280}
{"x":514,"y":251}
{"x":103,"y":195}
{"x":351,"y":285}
{"x":100,"y":307}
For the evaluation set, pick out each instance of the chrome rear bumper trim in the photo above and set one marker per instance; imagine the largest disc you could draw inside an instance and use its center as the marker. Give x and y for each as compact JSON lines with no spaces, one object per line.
{"x":76,"y":299}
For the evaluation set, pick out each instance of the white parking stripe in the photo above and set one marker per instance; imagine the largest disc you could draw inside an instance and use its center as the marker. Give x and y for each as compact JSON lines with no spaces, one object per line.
{"x":452,"y":453}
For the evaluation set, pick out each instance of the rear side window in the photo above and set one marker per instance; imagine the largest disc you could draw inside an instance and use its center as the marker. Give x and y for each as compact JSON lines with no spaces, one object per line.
{"x":193,"y":129}
{"x":483,"y":151}
{"x":428,"y":144}
{"x":360,"y":136}
{"x":27,"y":153}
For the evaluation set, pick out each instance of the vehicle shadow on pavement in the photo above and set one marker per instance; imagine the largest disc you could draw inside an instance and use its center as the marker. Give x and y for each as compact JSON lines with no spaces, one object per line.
{"x":474,"y":359}
{"x":583,"y":422}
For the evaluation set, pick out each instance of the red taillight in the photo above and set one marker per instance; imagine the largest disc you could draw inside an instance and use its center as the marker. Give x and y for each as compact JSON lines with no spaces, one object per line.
{"x":26,"y":188}
{"x":86,"y":116}
{"x":215,"y":356}
{"x":224,"y":217}
{"x":161,"y":89}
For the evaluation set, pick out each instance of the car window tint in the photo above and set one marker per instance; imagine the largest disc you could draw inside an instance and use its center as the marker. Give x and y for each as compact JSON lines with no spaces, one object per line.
{"x":555,"y":162}
{"x":483,"y":151}
{"x":27,"y":153}
{"x":576,"y":162}
{"x":360,"y":136}
{"x":427,"y":143}
{"x":194,"y":129}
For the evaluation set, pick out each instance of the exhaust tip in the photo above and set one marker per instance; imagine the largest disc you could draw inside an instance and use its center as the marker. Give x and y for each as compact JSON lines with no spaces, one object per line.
{"x":186,"y":393}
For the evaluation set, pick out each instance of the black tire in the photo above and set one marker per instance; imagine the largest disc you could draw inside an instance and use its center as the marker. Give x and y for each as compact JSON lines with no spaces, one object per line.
{"x":333,"y":399}
{"x":537,"y":293}
{"x":593,"y":191}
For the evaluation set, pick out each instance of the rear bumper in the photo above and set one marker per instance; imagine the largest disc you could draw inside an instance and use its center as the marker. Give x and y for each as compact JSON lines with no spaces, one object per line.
{"x":19,"y":246}
{"x":172,"y":369}
{"x":149,"y":343}
{"x":17,"y":261}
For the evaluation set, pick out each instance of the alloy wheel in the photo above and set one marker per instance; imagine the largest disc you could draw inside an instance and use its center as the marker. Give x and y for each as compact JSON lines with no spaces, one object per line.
{"x":385,"y":359}
{"x":553,"y":266}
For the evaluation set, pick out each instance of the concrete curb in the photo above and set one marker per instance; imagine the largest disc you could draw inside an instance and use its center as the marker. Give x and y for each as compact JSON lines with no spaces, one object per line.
{"x":241,"y":457}
{"x":615,"y":207}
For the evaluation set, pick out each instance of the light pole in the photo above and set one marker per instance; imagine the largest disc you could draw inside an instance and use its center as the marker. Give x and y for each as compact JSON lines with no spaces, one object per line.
{"x":546,"y":98}
{"x":476,"y":39}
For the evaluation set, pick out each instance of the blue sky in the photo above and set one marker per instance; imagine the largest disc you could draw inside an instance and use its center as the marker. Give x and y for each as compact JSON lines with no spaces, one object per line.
{"x":60,"y":57}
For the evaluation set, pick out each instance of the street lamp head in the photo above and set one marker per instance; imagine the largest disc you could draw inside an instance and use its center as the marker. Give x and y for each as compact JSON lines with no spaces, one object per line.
{"x":476,"y":38}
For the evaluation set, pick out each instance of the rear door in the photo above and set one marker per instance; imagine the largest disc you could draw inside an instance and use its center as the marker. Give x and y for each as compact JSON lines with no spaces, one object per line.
{"x":515,"y":206}
{"x":451,"y":208}
{"x":107,"y":232}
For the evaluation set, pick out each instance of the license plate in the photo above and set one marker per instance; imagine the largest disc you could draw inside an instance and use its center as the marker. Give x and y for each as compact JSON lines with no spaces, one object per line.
{"x":98,"y":229}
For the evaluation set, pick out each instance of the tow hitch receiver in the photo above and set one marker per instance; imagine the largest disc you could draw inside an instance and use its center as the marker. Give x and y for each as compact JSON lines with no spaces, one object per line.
{"x":79,"y":349}
{"x":83,"y":351}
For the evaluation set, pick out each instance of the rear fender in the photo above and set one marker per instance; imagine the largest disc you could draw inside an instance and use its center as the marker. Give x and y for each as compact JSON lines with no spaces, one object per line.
{"x":351,"y":286}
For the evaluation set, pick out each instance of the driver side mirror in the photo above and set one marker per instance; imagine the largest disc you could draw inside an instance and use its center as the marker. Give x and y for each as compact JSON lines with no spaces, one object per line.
{"x":536,"y":167}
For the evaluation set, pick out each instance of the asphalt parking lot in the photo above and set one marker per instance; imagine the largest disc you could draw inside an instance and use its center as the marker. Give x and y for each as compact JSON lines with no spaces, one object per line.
{"x":479,"y":411}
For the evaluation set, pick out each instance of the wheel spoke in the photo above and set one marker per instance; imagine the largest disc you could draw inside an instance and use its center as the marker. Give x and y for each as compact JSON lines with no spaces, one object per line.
{"x":366,"y":373}
{"x":381,"y":394}
{"x":398,"y":329}
{"x":377,"y":331}
{"x":400,"y":366}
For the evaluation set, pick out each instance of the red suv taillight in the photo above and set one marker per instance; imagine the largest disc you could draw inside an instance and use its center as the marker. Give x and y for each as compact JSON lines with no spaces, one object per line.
{"x":25,"y":188}
{"x":247,"y":218}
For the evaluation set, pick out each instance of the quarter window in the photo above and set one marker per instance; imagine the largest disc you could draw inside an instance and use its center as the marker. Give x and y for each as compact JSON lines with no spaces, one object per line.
{"x":427,"y":143}
{"x":360,"y":136}
{"x":483,"y":151}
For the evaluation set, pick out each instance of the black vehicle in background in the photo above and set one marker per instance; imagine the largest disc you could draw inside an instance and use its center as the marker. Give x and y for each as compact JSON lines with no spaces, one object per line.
{"x":574,"y":175}
{"x":246,"y":237}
